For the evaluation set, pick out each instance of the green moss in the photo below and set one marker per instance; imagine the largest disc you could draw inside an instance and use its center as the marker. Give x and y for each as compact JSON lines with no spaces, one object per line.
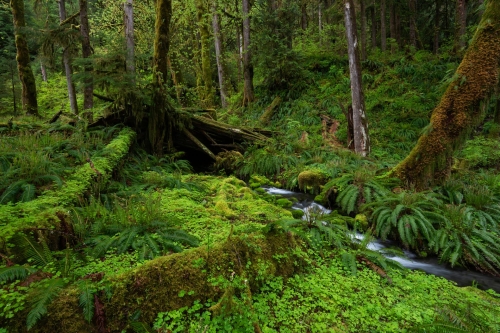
{"x":259,"y":181}
{"x":284,"y":203}
{"x":297,"y":214}
{"x":311,"y":180}
{"x":48,"y":209}
{"x":156,"y":286}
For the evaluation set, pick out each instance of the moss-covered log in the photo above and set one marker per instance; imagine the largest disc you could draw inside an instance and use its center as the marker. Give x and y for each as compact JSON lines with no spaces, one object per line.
{"x":459,"y":109}
{"x":30,"y":104}
{"x":155,"y":286}
{"x":49,"y":209}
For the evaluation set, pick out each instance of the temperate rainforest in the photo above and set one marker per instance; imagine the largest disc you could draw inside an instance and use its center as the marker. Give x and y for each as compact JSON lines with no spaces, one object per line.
{"x":259,"y":166}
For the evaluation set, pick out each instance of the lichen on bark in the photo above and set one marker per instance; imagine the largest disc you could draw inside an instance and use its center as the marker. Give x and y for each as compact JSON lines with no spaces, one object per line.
{"x":459,"y":109}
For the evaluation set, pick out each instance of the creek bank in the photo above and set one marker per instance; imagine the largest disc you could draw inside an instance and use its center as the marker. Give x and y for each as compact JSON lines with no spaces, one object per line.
{"x":431,"y":265}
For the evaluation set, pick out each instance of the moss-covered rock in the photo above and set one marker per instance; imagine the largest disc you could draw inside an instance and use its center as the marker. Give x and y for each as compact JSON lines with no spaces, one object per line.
{"x":284,"y":203}
{"x":297,"y":214}
{"x":311,"y":180}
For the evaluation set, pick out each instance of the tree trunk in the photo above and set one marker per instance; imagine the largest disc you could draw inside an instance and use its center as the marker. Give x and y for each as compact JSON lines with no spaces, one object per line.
{"x":206,"y":89}
{"x":392,"y":25}
{"x":413,"y":27}
{"x":44,"y":71}
{"x":68,"y":70}
{"x":374,"y":25}
{"x":303,"y":17}
{"x":88,"y":90}
{"x":459,"y":110}
{"x":363,"y":30}
{"x":360,"y":125}
{"x":437,"y":30}
{"x":320,"y":21}
{"x":383,"y":33}
{"x":248,"y":94}
{"x":461,"y":24}
{"x":13,"y":85}
{"x":177,"y":78}
{"x":160,"y":117}
{"x":128,"y":10}
{"x":218,"y":54}
{"x":30,"y":104}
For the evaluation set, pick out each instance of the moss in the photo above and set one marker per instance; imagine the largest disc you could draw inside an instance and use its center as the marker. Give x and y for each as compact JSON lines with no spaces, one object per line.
{"x":259,"y":181}
{"x":361,"y":221}
{"x":46,"y":210}
{"x":311,"y":179}
{"x":459,"y":110}
{"x":297,"y":214}
{"x":284,"y":203}
{"x":155,"y":286}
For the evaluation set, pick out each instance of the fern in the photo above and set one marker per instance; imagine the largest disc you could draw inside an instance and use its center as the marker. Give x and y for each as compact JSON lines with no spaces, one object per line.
{"x":30,"y":250}
{"x":42,"y":299}
{"x":15,"y":272}
{"x":86,"y":299}
{"x":349,"y":262}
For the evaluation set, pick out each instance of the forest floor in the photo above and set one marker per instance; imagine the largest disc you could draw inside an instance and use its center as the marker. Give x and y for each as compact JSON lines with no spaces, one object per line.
{"x":97,"y":235}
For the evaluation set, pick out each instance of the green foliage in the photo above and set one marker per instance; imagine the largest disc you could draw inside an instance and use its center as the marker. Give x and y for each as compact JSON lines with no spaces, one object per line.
{"x":355,"y":189}
{"x":406,"y":216}
{"x":44,"y":295}
{"x":86,"y":299}
{"x":138,"y":226}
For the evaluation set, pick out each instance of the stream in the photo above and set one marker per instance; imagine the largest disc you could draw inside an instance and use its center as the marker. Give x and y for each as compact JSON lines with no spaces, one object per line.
{"x":462,"y":277}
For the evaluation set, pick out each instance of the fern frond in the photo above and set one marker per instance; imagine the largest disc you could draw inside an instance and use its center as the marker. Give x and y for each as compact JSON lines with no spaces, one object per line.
{"x":86,"y":299}
{"x":15,"y":272}
{"x":28,"y":193}
{"x":40,"y":302}
{"x":349,"y":262}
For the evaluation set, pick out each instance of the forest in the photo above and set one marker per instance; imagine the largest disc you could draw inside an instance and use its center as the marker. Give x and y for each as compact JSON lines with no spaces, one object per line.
{"x":249,"y":166}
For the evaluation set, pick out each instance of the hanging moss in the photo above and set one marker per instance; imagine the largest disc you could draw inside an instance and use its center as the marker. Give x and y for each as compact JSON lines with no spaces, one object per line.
{"x":459,"y":110}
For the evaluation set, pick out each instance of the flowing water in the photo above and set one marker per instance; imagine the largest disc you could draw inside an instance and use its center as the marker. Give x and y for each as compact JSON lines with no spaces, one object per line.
{"x":462,"y":277}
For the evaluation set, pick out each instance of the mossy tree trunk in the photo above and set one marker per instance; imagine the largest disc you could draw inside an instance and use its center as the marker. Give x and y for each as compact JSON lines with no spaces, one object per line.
{"x":68,"y":70}
{"x":205,"y":85}
{"x":88,"y":90}
{"x":413,"y":25}
{"x":459,"y":109}
{"x":248,"y":91}
{"x":437,"y":22}
{"x":30,"y":104}
{"x":219,"y":54}
{"x":160,"y":117}
{"x":383,"y":32}
{"x":461,"y":24}
{"x":374,"y":25}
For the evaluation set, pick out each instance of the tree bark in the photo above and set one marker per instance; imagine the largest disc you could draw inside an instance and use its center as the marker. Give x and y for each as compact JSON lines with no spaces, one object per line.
{"x":392,"y":25}
{"x":206,"y":88}
{"x":413,"y":27}
{"x":360,"y":125}
{"x":248,"y":91}
{"x":459,"y":110}
{"x":44,"y":71}
{"x":383,"y":33}
{"x":13,"y":86}
{"x":160,"y":117}
{"x":461,"y":24}
{"x":374,"y":25}
{"x":218,"y":54}
{"x":363,"y":30}
{"x":88,"y":90}
{"x":303,"y":16}
{"x":68,"y":70}
{"x":30,"y":104}
{"x":437,"y":29}
{"x":128,"y":10}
